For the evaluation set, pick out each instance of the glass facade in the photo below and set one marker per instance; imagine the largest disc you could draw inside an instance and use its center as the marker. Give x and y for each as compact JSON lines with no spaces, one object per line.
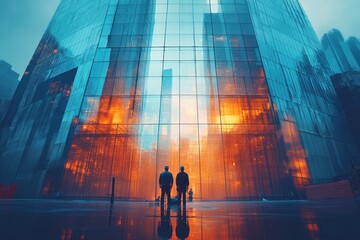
{"x":8,"y":83}
{"x":234,"y":90}
{"x":339,"y":52}
{"x":347,"y":86}
{"x":304,"y":98}
{"x":354,"y":46}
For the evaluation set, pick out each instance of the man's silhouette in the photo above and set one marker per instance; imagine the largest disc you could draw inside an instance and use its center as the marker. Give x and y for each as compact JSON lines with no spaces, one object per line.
{"x":191,"y":193}
{"x":166,"y":181}
{"x":182,"y":183}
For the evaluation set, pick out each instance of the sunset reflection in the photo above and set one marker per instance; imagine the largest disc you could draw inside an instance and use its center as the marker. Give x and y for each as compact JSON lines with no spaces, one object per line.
{"x":297,"y":166}
{"x":154,"y":100}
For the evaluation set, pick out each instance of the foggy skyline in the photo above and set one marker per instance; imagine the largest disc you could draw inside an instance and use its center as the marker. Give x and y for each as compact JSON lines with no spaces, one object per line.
{"x":22,"y":28}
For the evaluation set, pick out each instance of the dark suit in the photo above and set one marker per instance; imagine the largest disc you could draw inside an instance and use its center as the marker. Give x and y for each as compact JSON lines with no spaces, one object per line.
{"x":166,"y":181}
{"x":182,"y":183}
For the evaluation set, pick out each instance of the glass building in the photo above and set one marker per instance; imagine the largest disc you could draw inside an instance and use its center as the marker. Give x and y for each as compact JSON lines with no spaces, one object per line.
{"x":340,"y":53}
{"x":234,"y":90}
{"x":347,"y":86}
{"x":354,"y":45}
{"x":8,"y":83}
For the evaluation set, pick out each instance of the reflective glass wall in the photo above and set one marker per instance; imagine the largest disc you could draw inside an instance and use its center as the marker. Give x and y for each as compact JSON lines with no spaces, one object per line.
{"x":177,"y":83}
{"x":37,"y":128}
{"x":201,"y":83}
{"x":312,"y":121}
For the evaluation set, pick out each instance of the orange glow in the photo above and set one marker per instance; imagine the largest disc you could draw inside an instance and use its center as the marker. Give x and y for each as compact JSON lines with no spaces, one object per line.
{"x":296,"y":154}
{"x":313,"y":227}
{"x":311,"y":224}
{"x":66,"y":234}
{"x":117,"y":151}
{"x":119,"y":221}
{"x":110,"y":144}
{"x":75,"y":121}
{"x":226,"y":156}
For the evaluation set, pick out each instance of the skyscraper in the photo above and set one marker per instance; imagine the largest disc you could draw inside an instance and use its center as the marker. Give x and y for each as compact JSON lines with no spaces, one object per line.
{"x":234,"y":90}
{"x":347,"y":86}
{"x":344,"y":59}
{"x":354,"y":45}
{"x":8,"y":83}
{"x":338,"y":53}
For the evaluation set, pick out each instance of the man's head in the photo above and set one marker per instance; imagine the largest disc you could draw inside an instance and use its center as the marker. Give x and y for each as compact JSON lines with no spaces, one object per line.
{"x":166,"y":167}
{"x":182,"y":168}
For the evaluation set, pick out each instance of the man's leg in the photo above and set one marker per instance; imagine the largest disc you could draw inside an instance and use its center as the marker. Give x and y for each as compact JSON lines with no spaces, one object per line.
{"x":168,"y":194}
{"x":184,"y":197}
{"x":162,"y":196}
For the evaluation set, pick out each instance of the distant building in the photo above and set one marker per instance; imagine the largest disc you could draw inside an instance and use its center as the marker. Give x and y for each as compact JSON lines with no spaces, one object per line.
{"x":344,"y":61}
{"x":8,"y":84}
{"x":347,"y":86}
{"x":338,"y":53}
{"x":354,"y":45}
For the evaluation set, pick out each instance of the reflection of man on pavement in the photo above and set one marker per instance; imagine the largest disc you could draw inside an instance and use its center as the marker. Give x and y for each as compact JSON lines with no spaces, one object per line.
{"x":165,"y":227}
{"x":182,"y":183}
{"x":166,"y":181}
{"x":182,"y":225}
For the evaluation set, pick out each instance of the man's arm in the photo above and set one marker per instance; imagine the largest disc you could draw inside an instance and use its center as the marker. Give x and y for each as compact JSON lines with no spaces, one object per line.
{"x":160,"y":180}
{"x":187,"y":181}
{"x":171,"y":181}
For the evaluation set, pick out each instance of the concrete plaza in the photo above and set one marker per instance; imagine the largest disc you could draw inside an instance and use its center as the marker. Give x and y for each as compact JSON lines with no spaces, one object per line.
{"x":78,"y":220}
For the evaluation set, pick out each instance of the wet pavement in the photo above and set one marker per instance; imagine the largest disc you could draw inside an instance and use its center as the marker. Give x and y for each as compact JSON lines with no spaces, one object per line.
{"x":68,"y":220}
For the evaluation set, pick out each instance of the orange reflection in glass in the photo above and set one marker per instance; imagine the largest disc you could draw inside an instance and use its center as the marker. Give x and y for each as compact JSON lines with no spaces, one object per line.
{"x":311,"y":224}
{"x":227,"y":155}
{"x":297,"y":165}
{"x":66,"y":234}
{"x":231,"y":154}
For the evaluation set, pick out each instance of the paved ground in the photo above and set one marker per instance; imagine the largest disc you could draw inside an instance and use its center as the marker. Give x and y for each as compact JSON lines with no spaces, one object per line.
{"x":68,"y":220}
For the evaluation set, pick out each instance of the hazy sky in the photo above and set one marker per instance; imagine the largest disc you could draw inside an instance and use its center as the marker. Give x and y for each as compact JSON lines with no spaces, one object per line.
{"x":22,"y":23}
